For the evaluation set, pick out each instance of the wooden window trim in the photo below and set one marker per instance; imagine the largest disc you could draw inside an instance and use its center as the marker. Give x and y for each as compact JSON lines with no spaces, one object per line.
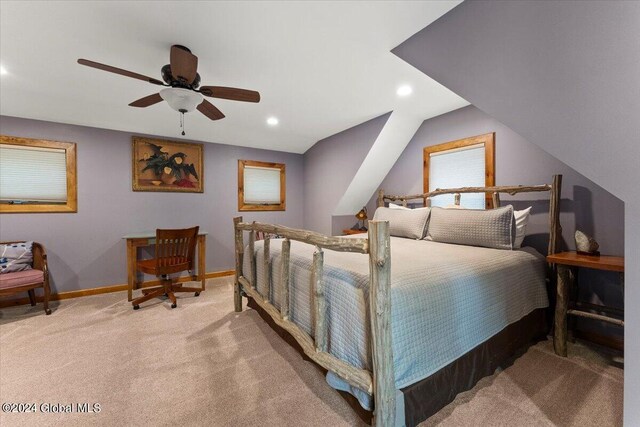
{"x":72,"y":178}
{"x":244,"y":207}
{"x":488,"y":139}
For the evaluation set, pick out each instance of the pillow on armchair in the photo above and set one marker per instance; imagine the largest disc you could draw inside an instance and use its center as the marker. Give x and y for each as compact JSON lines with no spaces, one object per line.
{"x":16,"y":257}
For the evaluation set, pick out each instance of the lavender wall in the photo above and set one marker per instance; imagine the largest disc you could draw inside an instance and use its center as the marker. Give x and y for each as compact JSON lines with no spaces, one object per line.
{"x":584,"y":205}
{"x":85,"y":249}
{"x":564,"y":75}
{"x":329,"y":167}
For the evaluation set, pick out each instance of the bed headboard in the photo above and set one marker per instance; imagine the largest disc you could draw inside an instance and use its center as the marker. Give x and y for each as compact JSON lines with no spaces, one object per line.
{"x":555,"y":229}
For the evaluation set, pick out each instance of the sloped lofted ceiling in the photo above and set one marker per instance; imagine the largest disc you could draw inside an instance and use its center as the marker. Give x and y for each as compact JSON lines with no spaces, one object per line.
{"x":564,"y":75}
{"x":321,"y":67}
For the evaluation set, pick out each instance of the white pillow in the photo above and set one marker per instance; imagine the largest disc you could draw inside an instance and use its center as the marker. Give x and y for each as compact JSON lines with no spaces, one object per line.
{"x":404,"y":208}
{"x":522,"y":218}
{"x":394,"y":206}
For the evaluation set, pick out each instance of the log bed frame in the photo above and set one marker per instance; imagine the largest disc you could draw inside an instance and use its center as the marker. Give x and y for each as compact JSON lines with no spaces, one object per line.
{"x":379,"y":383}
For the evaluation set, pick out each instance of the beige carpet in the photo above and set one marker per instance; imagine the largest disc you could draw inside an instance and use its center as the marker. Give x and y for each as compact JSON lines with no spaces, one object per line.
{"x":203,"y":364}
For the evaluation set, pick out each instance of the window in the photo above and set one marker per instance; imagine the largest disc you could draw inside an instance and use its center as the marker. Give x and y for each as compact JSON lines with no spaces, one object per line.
{"x":466,"y":162}
{"x":37,"y":175}
{"x":261,"y":186}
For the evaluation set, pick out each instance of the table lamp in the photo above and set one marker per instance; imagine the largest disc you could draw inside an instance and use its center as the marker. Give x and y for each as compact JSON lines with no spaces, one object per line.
{"x":362,"y":216}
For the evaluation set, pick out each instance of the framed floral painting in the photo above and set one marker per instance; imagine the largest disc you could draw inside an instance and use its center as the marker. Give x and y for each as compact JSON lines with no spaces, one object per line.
{"x":163,"y":165}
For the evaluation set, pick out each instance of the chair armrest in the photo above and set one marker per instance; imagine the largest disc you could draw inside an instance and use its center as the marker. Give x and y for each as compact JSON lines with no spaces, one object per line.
{"x":40,"y":257}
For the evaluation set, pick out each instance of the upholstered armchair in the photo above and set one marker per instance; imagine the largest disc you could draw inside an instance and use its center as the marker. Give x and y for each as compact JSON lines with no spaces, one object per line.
{"x":29,"y":280}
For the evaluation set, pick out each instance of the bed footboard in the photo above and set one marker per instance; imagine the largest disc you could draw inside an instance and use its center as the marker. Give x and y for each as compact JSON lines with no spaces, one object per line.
{"x":379,"y":383}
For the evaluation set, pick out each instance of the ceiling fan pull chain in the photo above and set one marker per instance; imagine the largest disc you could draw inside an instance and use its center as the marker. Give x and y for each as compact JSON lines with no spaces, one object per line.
{"x":182,"y":122}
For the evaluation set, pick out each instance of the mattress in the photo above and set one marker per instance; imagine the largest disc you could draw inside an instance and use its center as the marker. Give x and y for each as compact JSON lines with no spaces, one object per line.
{"x":445,"y":300}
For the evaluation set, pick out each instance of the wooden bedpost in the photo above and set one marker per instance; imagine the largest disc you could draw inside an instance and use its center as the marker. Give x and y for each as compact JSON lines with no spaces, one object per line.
{"x":555,"y":230}
{"x":495,"y":197}
{"x":252,"y":258}
{"x":381,"y":198}
{"x":237,"y":289}
{"x":320,"y":302}
{"x":284,"y":277}
{"x":384,"y":390}
{"x":267,"y":267}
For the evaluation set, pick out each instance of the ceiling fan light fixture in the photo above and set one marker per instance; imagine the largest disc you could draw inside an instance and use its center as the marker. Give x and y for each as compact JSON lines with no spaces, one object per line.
{"x":181,"y":100}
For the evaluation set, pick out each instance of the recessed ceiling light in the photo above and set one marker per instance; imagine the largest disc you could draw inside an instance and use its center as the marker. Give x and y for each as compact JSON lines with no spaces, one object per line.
{"x":3,"y":71}
{"x":272,"y":121}
{"x":404,"y":90}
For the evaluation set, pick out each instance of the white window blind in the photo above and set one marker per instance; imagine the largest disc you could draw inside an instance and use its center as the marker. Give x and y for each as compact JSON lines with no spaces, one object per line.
{"x":459,"y":167}
{"x":261,"y":185}
{"x":33,"y":174}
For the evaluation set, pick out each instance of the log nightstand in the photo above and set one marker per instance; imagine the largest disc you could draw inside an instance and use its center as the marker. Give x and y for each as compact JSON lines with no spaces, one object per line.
{"x":567,"y":264}
{"x":349,"y":232}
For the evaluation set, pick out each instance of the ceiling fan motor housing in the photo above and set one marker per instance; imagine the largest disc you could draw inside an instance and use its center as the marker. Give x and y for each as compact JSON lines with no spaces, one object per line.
{"x":168,"y":78}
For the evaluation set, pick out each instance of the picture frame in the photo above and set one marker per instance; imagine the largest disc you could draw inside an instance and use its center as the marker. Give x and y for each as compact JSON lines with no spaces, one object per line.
{"x":166,"y":165}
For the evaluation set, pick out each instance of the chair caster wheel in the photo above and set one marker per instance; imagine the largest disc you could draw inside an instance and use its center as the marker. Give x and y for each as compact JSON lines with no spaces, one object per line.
{"x":47,"y":311}
{"x":174,"y":305}
{"x":197,"y":294}
{"x":136,"y":307}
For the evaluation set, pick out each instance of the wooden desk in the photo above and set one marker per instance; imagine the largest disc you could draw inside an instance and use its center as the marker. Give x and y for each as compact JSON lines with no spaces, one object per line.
{"x":567,"y":264}
{"x":148,"y":238}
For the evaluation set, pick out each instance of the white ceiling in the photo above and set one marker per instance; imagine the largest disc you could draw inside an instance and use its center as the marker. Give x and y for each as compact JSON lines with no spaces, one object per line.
{"x":321,"y":67}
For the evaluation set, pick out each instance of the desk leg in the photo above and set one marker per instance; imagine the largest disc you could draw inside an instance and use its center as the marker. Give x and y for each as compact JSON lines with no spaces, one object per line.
{"x":562,"y":301}
{"x":202,"y":259}
{"x":131,"y":272}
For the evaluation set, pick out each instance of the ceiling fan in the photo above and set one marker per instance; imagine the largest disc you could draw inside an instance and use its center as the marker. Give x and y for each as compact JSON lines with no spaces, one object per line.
{"x":182,"y":89}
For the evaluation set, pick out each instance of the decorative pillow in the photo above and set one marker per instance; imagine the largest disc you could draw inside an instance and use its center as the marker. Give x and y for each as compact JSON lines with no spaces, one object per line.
{"x":522,"y":219}
{"x":493,"y":228}
{"x":411,"y":223}
{"x":16,"y":257}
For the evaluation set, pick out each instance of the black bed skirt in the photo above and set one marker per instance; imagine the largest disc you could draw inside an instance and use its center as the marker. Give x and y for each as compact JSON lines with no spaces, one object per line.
{"x":426,"y":397}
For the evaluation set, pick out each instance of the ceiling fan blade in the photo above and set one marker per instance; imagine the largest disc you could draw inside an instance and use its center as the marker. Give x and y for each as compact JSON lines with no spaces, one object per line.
{"x":120,"y":71}
{"x":209,"y":110}
{"x":147,"y":101}
{"x":184,"y":64}
{"x":231,"y":93}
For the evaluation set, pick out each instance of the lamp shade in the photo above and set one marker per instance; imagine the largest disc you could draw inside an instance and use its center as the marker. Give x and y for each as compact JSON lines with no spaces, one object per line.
{"x":181,"y":100}
{"x":362,"y":215}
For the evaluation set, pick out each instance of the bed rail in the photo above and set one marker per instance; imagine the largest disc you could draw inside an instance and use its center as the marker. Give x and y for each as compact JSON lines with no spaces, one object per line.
{"x":380,"y":382}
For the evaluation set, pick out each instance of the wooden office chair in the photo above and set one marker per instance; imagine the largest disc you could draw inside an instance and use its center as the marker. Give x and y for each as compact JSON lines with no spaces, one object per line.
{"x":175,"y":252}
